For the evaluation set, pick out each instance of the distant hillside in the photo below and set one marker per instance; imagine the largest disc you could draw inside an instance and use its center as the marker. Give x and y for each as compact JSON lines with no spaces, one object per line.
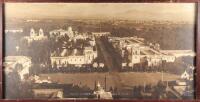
{"x":168,"y":36}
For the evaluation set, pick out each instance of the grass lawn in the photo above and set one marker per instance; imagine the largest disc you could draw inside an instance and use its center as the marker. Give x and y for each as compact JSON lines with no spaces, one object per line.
{"x":126,"y":79}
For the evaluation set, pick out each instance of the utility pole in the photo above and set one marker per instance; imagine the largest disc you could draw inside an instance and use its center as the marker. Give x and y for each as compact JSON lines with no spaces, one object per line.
{"x":162,"y":76}
{"x":144,"y":87}
{"x":105,"y":82}
{"x":162,"y":72}
{"x":99,"y":25}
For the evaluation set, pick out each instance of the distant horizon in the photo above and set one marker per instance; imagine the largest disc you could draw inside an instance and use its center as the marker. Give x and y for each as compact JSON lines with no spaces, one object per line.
{"x":178,"y":12}
{"x":108,"y":19}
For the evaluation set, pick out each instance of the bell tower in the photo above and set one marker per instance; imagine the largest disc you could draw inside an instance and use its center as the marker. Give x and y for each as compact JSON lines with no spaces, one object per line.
{"x":41,"y":32}
{"x":32,"y":32}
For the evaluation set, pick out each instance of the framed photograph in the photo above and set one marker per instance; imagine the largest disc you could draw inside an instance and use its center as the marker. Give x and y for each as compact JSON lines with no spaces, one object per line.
{"x":101,"y":50}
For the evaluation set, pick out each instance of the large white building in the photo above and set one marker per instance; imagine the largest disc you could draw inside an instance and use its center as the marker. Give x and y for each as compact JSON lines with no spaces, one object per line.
{"x":34,"y":36}
{"x":74,"y":57}
{"x":100,"y":34}
{"x":134,"y":51}
{"x":60,"y":32}
{"x":179,"y":53}
{"x":11,"y":62}
{"x":73,"y":35}
{"x":17,"y":30}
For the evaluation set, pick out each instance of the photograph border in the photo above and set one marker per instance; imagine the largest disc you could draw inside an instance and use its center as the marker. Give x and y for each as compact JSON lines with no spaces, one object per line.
{"x":197,"y":45}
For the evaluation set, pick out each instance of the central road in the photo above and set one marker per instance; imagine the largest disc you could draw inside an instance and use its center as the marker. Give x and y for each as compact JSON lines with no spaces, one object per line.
{"x":112,"y":60}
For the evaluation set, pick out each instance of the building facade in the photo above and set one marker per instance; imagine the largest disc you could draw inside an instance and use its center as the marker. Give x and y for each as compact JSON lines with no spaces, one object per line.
{"x":34,"y":36}
{"x":134,"y":50}
{"x":100,"y":34}
{"x":74,"y":57}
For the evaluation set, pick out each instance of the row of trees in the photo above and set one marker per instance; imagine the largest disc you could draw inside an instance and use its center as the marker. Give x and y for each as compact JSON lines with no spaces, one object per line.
{"x":74,"y":70}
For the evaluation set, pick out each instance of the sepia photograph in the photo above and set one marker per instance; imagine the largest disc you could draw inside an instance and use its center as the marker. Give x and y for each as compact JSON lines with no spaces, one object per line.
{"x":92,"y":51}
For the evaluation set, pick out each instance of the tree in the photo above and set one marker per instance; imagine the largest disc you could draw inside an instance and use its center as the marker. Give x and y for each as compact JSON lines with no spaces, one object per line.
{"x":12,"y":85}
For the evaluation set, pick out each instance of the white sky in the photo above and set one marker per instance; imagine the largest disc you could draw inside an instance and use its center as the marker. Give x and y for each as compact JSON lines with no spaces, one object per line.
{"x":130,"y":11}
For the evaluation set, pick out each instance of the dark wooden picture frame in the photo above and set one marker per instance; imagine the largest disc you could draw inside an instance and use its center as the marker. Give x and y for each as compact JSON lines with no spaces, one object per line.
{"x":197,"y":44}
